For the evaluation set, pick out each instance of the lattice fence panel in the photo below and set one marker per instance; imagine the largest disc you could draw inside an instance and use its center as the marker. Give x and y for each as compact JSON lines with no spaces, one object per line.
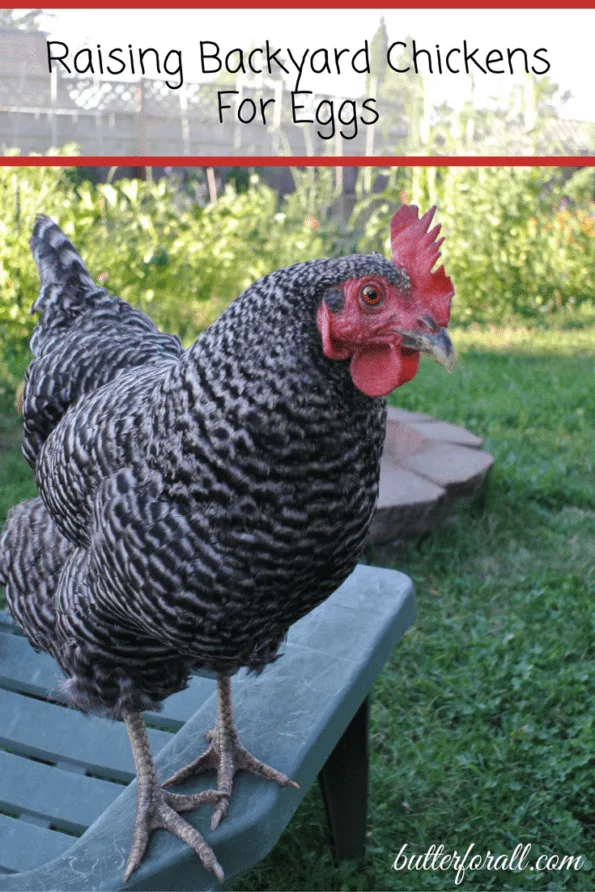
{"x":147,"y":117}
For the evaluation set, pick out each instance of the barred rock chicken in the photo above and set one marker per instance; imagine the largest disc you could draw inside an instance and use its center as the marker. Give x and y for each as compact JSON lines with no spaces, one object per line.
{"x":194,"y":504}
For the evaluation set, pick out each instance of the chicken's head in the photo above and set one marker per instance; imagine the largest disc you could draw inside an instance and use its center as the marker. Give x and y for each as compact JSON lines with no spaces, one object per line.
{"x":384,"y":325}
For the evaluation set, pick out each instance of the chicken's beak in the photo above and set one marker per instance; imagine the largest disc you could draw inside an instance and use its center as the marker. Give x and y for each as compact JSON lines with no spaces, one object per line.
{"x":436,"y":344}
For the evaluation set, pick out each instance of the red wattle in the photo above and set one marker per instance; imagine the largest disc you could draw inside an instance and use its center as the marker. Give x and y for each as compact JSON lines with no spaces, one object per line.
{"x":378,"y":369}
{"x":409,"y":367}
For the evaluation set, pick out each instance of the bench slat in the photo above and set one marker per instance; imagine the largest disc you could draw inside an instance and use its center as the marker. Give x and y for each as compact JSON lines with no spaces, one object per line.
{"x":21,"y":669}
{"x":6,"y":623}
{"x":24,"y":846}
{"x":67,"y":800}
{"x":56,"y":733}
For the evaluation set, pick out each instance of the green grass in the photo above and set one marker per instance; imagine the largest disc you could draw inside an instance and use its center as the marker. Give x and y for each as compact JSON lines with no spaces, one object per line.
{"x":482,"y":726}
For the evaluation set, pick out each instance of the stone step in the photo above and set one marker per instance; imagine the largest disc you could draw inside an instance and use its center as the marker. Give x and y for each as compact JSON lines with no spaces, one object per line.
{"x":429,"y":469}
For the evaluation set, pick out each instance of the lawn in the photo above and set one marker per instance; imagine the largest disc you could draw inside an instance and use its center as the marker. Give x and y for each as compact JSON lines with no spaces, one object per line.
{"x":482,"y":725}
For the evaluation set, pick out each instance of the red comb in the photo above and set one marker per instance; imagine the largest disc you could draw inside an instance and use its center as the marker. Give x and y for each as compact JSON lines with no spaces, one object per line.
{"x":416,"y":249}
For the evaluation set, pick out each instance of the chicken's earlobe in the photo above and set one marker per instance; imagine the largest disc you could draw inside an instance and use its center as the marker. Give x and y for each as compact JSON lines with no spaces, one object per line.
{"x":330,"y":348}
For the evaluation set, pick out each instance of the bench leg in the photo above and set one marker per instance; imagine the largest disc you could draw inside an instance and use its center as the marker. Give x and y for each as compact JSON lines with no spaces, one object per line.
{"x":344,"y":785}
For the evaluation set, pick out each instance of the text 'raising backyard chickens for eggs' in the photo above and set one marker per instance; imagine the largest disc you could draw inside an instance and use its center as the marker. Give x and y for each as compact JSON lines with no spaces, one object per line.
{"x":344,"y":116}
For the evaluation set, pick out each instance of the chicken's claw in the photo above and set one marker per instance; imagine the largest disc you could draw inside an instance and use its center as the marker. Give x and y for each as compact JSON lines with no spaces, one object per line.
{"x":157,"y":809}
{"x":226,"y":754}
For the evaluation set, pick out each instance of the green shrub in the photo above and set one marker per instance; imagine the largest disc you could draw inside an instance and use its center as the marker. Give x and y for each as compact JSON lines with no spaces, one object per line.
{"x":181,"y":262}
{"x":513,"y":247}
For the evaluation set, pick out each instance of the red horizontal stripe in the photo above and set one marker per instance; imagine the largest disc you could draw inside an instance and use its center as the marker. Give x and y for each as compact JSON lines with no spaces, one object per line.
{"x":329,"y":4}
{"x":297,"y":161}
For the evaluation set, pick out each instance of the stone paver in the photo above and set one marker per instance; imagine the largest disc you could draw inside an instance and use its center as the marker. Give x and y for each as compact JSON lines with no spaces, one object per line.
{"x":428,"y":469}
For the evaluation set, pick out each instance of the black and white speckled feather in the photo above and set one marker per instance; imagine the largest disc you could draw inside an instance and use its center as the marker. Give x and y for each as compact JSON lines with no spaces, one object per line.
{"x":84,"y":338}
{"x":33,"y":553}
{"x":206,"y":503}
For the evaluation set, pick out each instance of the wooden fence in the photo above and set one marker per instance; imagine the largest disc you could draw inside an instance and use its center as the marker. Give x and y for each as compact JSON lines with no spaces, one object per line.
{"x":39,"y":112}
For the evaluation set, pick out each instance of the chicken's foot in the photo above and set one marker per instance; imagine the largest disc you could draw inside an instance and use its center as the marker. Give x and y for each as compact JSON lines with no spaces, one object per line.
{"x":227,"y":755}
{"x":157,"y":809}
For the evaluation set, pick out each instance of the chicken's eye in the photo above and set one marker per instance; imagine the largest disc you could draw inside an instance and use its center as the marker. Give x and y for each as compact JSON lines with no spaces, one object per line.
{"x":371,"y":295}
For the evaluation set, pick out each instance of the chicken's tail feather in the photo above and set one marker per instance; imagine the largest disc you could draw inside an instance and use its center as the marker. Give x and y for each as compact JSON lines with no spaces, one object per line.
{"x":67,"y":288}
{"x":57,"y":260}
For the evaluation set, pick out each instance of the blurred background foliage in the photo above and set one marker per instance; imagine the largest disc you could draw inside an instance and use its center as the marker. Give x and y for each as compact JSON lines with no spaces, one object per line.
{"x":520,"y":241}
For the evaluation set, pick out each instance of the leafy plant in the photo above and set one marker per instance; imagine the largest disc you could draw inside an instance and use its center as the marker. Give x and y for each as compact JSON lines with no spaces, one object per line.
{"x":520,"y":241}
{"x":181,"y":262}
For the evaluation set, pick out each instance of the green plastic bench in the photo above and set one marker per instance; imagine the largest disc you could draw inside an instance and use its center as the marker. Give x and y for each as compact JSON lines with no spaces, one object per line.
{"x":63,"y":775}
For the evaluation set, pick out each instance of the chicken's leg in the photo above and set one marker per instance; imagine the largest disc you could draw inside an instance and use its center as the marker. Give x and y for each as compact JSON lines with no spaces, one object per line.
{"x":227,"y":755}
{"x":157,"y":809}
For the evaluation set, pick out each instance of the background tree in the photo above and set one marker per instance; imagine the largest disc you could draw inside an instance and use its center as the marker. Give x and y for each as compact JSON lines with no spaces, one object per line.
{"x":27,"y":21}
{"x":378,"y":65}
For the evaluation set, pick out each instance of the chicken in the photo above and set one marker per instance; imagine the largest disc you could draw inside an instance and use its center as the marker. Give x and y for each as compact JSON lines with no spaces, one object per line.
{"x":194,"y":504}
